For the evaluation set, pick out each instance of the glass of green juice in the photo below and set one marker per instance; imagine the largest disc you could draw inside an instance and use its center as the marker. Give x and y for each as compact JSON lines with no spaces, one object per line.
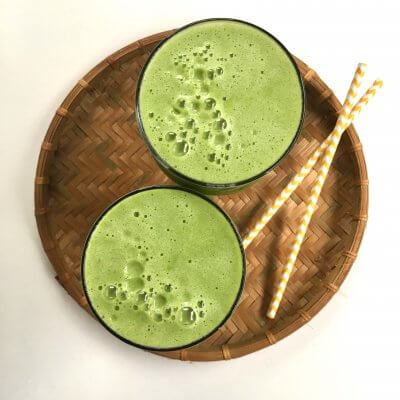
{"x":163,"y":268}
{"x":219,"y":103}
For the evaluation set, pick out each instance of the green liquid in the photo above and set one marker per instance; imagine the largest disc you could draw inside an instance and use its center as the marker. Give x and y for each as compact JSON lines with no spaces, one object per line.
{"x":220,"y":101}
{"x":163,"y":268}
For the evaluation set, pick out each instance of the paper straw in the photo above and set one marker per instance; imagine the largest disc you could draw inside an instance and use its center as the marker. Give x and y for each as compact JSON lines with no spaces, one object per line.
{"x":344,"y":121}
{"x":305,"y":170}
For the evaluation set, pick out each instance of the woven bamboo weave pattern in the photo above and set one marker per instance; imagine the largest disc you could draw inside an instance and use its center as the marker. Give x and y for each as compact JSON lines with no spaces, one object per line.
{"x":92,"y":154}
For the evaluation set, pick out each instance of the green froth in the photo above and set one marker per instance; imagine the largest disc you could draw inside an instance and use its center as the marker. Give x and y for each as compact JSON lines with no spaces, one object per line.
{"x":171,"y":264}
{"x":220,"y":101}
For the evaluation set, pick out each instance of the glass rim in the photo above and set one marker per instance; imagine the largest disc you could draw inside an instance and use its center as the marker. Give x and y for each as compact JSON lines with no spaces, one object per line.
{"x":187,"y":178}
{"x":234,"y":304}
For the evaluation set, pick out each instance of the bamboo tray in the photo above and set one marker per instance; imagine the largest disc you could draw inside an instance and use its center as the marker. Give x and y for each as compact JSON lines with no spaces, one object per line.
{"x":92,"y":154}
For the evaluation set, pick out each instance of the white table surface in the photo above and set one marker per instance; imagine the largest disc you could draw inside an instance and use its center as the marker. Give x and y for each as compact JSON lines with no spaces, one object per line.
{"x":50,"y":348}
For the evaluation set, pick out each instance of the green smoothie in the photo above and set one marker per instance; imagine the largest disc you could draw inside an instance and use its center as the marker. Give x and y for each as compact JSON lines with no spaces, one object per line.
{"x":163,"y":268}
{"x":220,"y":101}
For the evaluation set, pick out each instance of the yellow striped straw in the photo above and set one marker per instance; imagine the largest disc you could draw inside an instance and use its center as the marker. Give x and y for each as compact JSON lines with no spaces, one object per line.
{"x":305,"y":170}
{"x":344,"y":120}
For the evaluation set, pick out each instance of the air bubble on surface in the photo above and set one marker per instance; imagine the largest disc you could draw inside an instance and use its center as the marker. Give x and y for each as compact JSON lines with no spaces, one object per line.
{"x":170,"y":136}
{"x":209,"y":103}
{"x":167,"y":312}
{"x":190,"y":123}
{"x":221,"y":124}
{"x":188,"y":315}
{"x":110,"y":292}
{"x":157,"y":317}
{"x":181,"y":147}
{"x":211,"y":157}
{"x":168,"y":288}
{"x":216,"y":114}
{"x":141,"y":297}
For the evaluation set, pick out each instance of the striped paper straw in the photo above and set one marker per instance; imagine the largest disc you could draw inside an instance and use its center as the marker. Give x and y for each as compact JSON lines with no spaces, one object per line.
{"x":344,"y":121}
{"x":305,"y":170}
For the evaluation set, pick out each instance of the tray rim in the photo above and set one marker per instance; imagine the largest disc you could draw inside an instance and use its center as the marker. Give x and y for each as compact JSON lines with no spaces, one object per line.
{"x":226,"y":351}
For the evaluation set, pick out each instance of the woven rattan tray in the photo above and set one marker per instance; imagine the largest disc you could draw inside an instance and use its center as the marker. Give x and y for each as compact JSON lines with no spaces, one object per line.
{"x":92,"y":154}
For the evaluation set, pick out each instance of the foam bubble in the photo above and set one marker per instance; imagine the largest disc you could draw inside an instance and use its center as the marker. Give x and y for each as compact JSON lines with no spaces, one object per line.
{"x":221,"y":124}
{"x":170,"y":136}
{"x":209,"y":103}
{"x":168,"y":288}
{"x":188,"y":315}
{"x":181,"y":147}
{"x":141,"y":297}
{"x":190,"y":123}
{"x":167,"y":312}
{"x":157,"y":317}
{"x":216,"y":114}
{"x":110,"y":292}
